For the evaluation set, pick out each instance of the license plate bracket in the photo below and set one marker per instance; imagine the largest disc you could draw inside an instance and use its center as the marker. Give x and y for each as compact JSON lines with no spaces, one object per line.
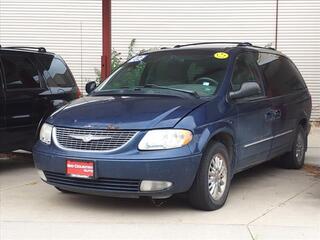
{"x":80,"y":169}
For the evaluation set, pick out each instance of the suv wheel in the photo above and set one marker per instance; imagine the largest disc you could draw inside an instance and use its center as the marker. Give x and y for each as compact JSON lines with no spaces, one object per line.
{"x":295,"y":158}
{"x":211,"y":185}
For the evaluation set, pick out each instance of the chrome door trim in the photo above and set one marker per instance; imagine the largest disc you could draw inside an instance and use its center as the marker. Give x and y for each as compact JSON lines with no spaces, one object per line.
{"x":269,"y":138}
{"x":21,"y":116}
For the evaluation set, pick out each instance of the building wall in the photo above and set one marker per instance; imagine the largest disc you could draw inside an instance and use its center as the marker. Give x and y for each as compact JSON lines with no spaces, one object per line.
{"x":72,"y":28}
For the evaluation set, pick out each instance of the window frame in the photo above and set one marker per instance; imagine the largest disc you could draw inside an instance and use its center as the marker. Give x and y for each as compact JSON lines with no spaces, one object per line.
{"x":261,"y":76}
{"x":41,"y":66}
{"x":29,"y":56}
{"x":267,"y":83}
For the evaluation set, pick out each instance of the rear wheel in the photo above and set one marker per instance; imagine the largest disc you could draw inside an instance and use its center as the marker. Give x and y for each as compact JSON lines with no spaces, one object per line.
{"x":295,"y":158}
{"x":211,"y":185}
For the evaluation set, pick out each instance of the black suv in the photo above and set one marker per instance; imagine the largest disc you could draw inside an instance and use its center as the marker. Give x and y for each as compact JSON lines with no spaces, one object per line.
{"x":33,"y":83}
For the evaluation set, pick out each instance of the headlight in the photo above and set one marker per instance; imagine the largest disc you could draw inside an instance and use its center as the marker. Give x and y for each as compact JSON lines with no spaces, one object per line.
{"x":45,"y":133}
{"x":165,"y":139}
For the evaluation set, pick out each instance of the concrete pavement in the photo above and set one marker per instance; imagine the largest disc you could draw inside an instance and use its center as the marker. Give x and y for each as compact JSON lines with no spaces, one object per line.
{"x":265,"y":202}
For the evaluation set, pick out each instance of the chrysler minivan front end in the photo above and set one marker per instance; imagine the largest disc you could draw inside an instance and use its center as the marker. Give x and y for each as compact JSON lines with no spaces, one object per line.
{"x":134,"y":135}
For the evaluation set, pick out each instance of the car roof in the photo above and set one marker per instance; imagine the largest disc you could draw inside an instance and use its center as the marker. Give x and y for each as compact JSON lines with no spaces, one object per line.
{"x":34,"y":50}
{"x":230,"y":47}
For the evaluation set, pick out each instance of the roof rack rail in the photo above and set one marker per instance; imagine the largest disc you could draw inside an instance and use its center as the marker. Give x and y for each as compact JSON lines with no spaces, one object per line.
{"x":39,"y":49}
{"x":207,"y":43}
{"x":264,"y":47}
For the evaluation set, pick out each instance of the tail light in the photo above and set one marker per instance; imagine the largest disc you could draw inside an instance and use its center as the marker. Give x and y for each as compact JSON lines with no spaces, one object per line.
{"x":78,"y":93}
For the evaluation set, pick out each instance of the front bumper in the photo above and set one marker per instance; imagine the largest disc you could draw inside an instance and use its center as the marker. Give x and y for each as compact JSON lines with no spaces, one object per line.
{"x":120,"y":177}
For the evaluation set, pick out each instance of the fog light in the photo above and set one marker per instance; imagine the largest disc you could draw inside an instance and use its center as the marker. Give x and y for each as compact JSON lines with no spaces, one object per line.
{"x":42,"y":176}
{"x":148,"y":186}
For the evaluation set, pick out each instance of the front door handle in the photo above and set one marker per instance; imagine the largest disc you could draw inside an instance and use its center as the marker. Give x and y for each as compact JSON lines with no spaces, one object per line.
{"x":277,"y":114}
{"x":269,"y":116}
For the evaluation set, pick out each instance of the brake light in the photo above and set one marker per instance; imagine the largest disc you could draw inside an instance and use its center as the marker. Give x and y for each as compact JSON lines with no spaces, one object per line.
{"x":78,"y":94}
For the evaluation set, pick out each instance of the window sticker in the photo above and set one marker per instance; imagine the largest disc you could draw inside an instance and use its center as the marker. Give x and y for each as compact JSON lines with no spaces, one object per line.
{"x":221,"y":55}
{"x":138,"y":58}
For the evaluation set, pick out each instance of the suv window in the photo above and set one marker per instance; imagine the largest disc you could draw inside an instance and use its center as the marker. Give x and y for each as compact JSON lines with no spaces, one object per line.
{"x":281,"y":74}
{"x":245,"y":70}
{"x":56,"y":72}
{"x":20,"y":72}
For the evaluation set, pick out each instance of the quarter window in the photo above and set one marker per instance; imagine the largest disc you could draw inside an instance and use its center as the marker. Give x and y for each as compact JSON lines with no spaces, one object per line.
{"x":281,"y":74}
{"x":20,"y":72}
{"x":59,"y":75}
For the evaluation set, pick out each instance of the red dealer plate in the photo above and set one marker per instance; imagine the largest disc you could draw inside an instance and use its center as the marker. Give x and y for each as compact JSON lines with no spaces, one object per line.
{"x":81,"y":169}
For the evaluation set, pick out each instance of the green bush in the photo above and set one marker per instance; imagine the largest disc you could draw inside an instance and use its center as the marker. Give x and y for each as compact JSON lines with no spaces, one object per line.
{"x":117,"y":60}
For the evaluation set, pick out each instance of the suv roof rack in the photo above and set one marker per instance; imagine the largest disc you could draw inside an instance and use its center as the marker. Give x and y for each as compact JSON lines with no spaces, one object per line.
{"x":238,"y":44}
{"x":39,"y":49}
{"x":207,"y":43}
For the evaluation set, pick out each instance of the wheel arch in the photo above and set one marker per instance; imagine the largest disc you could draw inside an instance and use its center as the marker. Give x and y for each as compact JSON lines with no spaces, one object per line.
{"x":224,"y":136}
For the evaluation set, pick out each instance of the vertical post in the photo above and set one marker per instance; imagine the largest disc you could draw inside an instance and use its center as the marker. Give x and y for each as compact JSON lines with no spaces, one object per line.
{"x":106,"y":39}
{"x":277,"y":22}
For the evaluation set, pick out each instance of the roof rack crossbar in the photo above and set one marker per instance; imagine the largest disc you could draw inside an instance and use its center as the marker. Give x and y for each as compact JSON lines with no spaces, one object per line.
{"x":207,"y":43}
{"x":39,"y":49}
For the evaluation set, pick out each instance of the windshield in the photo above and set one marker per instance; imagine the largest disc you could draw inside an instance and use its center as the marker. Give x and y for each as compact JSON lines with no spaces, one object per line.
{"x":197,"y":72}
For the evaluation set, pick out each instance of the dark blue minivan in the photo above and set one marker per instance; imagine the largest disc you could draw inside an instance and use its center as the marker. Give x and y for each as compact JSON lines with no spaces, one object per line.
{"x":180,"y":120}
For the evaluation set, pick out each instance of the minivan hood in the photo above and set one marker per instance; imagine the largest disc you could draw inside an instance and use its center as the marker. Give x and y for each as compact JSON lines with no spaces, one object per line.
{"x":124,"y":112}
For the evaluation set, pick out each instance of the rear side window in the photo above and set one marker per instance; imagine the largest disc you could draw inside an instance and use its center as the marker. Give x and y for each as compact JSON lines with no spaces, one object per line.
{"x":20,"y":72}
{"x":56,"y":72}
{"x":281,"y":74}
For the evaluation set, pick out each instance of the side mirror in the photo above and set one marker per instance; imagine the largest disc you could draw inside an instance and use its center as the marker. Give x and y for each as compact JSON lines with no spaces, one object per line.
{"x":247,"y":89}
{"x":90,"y":86}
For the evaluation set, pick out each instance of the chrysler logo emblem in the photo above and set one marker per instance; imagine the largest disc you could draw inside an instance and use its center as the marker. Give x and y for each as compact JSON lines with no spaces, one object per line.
{"x":89,"y":138}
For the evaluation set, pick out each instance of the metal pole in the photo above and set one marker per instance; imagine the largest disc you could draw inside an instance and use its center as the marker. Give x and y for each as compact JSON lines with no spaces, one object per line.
{"x":277,"y":20}
{"x":106,"y":39}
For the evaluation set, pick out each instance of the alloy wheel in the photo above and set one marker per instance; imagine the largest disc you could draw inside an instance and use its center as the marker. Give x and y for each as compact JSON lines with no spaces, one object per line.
{"x":217,"y":176}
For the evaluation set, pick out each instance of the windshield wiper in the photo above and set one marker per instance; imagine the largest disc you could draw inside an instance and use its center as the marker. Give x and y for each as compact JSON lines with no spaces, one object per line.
{"x":193,"y":93}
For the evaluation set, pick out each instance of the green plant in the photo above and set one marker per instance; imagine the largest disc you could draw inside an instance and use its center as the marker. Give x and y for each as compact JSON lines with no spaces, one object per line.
{"x":116,"y":57}
{"x":131,"y":52}
{"x":116,"y":60}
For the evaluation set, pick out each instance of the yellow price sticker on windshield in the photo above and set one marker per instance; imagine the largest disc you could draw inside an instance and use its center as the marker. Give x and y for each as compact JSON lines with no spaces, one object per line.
{"x":221,"y":55}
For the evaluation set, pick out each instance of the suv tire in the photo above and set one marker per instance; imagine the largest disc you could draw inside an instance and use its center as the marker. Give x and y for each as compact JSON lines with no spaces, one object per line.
{"x":211,"y":185}
{"x":295,"y":158}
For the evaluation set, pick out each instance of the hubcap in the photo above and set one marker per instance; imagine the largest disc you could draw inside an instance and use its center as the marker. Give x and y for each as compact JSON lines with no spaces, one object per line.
{"x":299,"y":147}
{"x":217,"y":176}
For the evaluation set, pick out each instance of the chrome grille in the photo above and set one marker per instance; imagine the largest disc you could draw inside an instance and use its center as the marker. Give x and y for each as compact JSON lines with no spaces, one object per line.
{"x":91,"y":140}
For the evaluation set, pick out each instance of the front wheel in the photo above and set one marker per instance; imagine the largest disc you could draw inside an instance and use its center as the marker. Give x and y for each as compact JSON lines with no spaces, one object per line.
{"x":211,"y":185}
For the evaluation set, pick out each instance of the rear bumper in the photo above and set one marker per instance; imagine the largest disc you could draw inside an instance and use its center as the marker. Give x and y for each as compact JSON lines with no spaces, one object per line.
{"x":121,"y":178}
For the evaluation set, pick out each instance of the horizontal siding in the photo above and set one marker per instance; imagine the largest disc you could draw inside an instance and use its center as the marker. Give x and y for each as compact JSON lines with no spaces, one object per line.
{"x":299,"y":38}
{"x":169,"y":22}
{"x":70,"y":28}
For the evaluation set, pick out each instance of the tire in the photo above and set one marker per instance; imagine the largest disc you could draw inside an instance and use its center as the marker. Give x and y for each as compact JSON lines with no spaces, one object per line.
{"x":64,"y":191}
{"x":204,"y":193}
{"x":295,"y":158}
